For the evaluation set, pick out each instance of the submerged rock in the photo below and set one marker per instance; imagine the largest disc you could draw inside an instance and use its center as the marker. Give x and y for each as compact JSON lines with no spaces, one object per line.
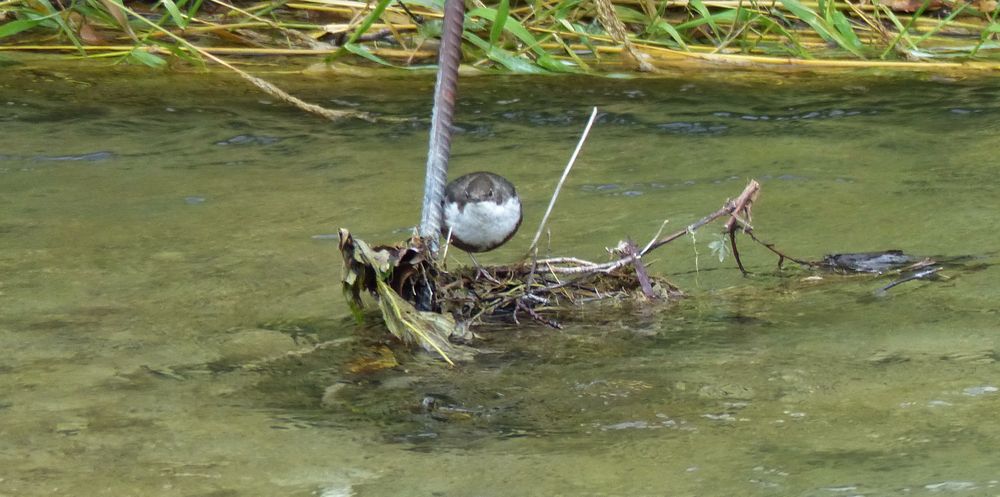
{"x":248,"y":140}
{"x":88,"y":157}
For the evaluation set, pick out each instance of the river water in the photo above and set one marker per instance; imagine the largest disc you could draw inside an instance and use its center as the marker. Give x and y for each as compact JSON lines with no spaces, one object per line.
{"x":168,"y":267}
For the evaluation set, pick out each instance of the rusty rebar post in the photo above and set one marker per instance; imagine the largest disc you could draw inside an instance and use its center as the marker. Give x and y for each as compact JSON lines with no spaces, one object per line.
{"x":439,"y":148}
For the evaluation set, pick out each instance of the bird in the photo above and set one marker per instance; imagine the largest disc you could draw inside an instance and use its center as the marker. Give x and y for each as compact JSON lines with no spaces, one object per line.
{"x":481,"y":211}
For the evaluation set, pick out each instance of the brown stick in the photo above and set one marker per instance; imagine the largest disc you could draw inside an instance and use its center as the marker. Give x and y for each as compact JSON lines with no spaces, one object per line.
{"x":736,"y":253}
{"x":731,"y":207}
{"x":640,"y":270}
{"x":741,"y":204}
{"x":552,"y":323}
{"x":781,"y":255}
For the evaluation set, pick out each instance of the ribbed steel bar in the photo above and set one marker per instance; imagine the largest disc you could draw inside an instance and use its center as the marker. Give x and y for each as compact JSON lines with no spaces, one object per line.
{"x":439,"y":149}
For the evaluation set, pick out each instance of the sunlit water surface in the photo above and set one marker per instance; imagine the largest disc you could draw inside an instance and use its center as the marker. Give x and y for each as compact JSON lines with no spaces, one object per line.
{"x":167,"y":265}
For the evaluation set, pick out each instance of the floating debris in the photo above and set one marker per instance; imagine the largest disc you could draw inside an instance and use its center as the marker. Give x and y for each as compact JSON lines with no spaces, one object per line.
{"x":88,"y":157}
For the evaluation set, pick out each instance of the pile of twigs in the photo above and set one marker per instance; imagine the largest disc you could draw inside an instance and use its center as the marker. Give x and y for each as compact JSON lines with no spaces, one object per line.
{"x":423,"y":303}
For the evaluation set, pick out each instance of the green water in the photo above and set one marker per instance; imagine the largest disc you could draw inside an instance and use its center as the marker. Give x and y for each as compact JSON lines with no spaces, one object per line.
{"x":160,"y":292}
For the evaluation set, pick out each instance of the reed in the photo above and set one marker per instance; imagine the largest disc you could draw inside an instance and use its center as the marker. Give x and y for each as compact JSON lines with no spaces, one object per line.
{"x":541,"y":36}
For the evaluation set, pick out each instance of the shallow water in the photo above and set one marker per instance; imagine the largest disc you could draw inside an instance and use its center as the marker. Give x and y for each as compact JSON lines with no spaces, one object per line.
{"x":167,"y":268}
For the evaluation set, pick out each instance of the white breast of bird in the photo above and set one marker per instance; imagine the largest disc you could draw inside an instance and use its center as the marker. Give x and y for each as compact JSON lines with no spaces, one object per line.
{"x":483,"y":224}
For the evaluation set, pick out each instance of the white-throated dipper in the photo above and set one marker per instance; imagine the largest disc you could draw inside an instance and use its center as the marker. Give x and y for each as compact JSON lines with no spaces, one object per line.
{"x":482,"y":210}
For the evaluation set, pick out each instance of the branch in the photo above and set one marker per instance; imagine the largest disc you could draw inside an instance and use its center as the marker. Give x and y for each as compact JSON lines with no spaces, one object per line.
{"x":731,"y":207}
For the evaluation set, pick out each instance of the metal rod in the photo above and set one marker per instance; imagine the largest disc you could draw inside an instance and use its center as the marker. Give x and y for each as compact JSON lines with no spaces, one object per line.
{"x":439,"y":148}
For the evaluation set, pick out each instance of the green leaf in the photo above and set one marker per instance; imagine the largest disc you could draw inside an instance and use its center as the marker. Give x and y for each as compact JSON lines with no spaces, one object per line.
{"x":843,"y":26}
{"x":512,"y":62}
{"x":503,"y":10}
{"x":362,"y":51}
{"x":823,"y":28}
{"x":544,"y":59}
{"x":705,"y":14}
{"x":845,"y":29}
{"x":719,"y":248}
{"x":511,"y":25}
{"x":726,"y":16}
{"x":175,"y":13}
{"x":666,"y":27}
{"x":630,"y":16}
{"x":555,"y":65}
{"x":15,"y":27}
{"x":152,"y":60}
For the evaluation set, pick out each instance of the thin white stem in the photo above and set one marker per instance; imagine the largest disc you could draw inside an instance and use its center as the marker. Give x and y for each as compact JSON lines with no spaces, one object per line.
{"x":606,"y":267}
{"x":447,"y":243}
{"x":564,"y":260}
{"x":655,"y":237}
{"x":555,"y":194}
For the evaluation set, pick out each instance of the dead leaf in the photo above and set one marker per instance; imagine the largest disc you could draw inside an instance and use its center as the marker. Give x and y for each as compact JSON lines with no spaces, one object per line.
{"x":380,"y":358}
{"x":910,"y":6}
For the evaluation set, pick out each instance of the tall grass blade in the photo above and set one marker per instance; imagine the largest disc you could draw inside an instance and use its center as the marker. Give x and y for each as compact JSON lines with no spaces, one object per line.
{"x":724,"y":16}
{"x":119,"y":16}
{"x":503,"y":10}
{"x":771,"y":25}
{"x":900,"y":33}
{"x":824,"y":29}
{"x":582,"y":32}
{"x":843,"y":25}
{"x":663,"y":26}
{"x":194,"y":8}
{"x":944,"y":23}
{"x":514,"y":27}
{"x":144,"y":57}
{"x":51,"y":12}
{"x":510,"y":25}
{"x":362,"y":51}
{"x":562,"y":10}
{"x":175,"y":13}
{"x":707,"y":16}
{"x":572,"y":54}
{"x":993,"y":27}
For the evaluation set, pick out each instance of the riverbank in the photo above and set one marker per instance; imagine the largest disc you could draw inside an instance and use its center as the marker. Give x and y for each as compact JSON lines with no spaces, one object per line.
{"x":541,"y":38}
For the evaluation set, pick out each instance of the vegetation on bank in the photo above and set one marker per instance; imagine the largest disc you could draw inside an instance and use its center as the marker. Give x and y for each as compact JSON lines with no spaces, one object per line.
{"x":534,"y":36}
